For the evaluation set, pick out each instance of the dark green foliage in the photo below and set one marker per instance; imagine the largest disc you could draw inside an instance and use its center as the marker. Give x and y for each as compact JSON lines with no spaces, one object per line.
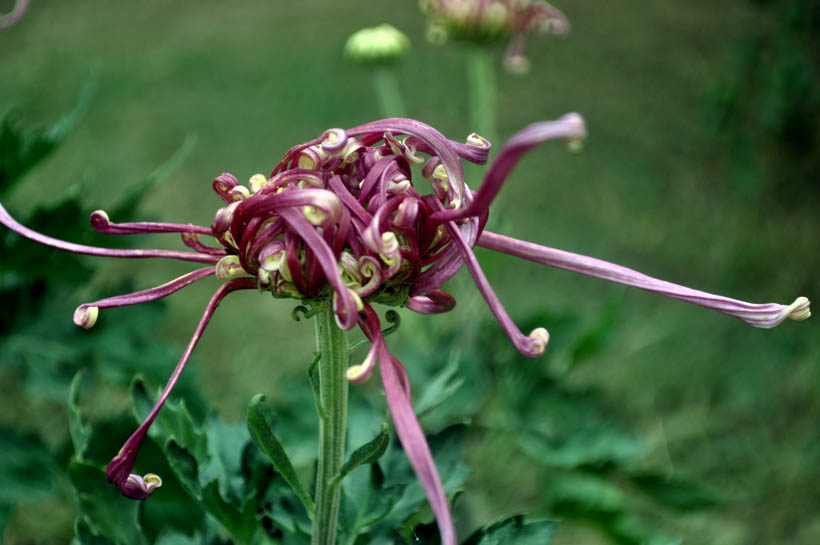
{"x":674,"y":492}
{"x":267,"y":442}
{"x":210,"y":463}
{"x":367,"y":453}
{"x":514,"y":531}
{"x":106,"y":512}
{"x":22,"y":147}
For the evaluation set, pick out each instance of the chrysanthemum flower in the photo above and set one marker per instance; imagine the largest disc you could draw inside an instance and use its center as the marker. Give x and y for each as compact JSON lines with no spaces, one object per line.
{"x":489,"y":21}
{"x":341,"y":220}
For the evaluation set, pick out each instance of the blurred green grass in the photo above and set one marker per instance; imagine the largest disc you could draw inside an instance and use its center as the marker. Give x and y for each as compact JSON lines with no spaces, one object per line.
{"x":655,"y":188}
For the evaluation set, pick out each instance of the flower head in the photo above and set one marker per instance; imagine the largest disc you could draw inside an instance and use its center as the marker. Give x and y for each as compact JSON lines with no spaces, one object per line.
{"x":340,"y":219}
{"x":484,"y":22}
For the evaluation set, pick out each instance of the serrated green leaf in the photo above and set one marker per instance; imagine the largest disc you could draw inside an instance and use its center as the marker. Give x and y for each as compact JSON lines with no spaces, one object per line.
{"x":21,"y":148}
{"x":514,"y":531}
{"x":674,"y":492}
{"x":79,"y":430}
{"x":367,"y":453}
{"x":175,"y":538}
{"x":364,"y":501}
{"x":106,"y":512}
{"x":577,"y":494}
{"x":240,"y":523}
{"x":207,"y":461}
{"x":83,"y":535}
{"x":173,"y":421}
{"x":590,"y":446}
{"x":447,"y":452}
{"x":441,"y":388}
{"x":266,"y":440}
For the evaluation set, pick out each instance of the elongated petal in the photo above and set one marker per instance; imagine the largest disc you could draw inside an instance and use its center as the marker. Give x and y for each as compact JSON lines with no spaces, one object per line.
{"x":759,"y":315}
{"x":435,"y":302}
{"x":570,"y":126}
{"x":83,"y":312}
{"x":415,"y":444}
{"x":119,"y":468}
{"x":103,"y":224}
{"x":24,"y":231}
{"x":532,"y":345}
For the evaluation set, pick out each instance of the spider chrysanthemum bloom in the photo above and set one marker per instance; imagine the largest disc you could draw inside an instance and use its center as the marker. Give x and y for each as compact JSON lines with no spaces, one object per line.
{"x":341,"y":222}
{"x":484,"y":22}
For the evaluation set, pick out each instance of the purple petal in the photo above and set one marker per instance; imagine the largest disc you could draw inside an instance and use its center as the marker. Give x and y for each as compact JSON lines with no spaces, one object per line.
{"x":346,"y":314}
{"x":119,"y":468}
{"x":532,"y":345}
{"x":759,"y":315}
{"x":101,"y":223}
{"x":570,"y":126}
{"x":414,"y":443}
{"x":21,"y":230}
{"x":81,"y":315}
{"x":435,"y":302}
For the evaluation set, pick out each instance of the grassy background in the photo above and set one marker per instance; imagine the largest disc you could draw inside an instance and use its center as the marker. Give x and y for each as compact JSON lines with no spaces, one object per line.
{"x":672,"y":182}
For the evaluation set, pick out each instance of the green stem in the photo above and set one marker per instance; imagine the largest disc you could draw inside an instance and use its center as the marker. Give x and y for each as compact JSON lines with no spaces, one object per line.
{"x":482,"y":89}
{"x":332,"y":345}
{"x":388,"y":92}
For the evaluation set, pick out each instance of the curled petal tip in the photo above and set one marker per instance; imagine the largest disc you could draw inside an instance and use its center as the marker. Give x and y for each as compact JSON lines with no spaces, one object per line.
{"x":539,"y":338}
{"x":362,"y":371}
{"x":99,"y":220}
{"x":228,"y":267}
{"x":140,"y":488}
{"x":800,"y":309}
{"x":575,"y":122}
{"x":333,"y":141}
{"x":85,"y":316}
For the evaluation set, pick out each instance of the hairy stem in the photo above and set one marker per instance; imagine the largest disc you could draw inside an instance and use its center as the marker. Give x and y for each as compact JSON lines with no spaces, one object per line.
{"x":388,"y":92}
{"x":333,"y":360}
{"x":482,"y":89}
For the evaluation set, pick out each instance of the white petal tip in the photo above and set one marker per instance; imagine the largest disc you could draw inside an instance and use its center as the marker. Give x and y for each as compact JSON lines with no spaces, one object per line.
{"x":540,"y":338}
{"x":86,"y":317}
{"x":800,"y":309}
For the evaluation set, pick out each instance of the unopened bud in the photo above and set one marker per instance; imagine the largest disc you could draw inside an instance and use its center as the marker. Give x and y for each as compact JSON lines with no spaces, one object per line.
{"x":380,"y":44}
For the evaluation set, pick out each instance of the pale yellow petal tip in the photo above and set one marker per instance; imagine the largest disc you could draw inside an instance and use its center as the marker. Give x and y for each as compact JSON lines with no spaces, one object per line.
{"x":257,"y":182}
{"x":357,"y":300}
{"x":228,"y":267}
{"x":86,"y":317}
{"x":800,"y":309}
{"x":100,"y":216}
{"x":540,"y":338}
{"x":361,"y":372}
{"x":152,"y":481}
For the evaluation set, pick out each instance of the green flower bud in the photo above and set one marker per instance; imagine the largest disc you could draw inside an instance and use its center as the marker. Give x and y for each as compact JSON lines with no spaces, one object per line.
{"x":380,"y":44}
